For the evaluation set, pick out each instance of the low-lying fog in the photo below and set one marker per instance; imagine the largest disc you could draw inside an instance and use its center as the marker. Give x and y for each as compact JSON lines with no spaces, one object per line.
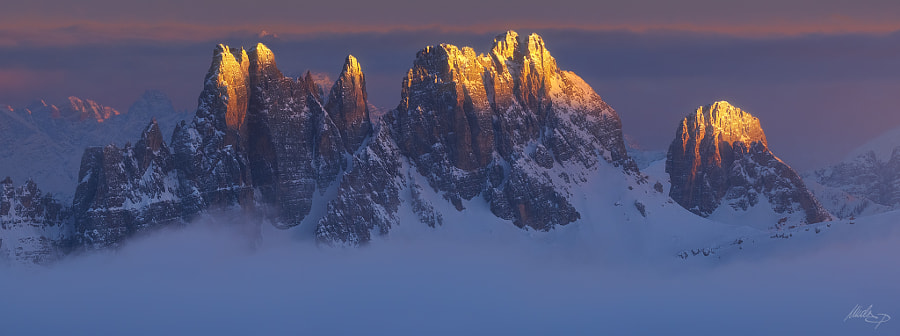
{"x":211,"y":279}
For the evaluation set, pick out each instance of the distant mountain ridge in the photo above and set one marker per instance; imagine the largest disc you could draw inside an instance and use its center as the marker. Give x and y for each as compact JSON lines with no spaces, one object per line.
{"x":867,"y":182}
{"x":44,"y":142}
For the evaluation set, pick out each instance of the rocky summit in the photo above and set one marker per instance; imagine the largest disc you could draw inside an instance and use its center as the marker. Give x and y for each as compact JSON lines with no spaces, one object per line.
{"x":720,"y":156}
{"x":43,"y":142}
{"x":508,"y":128}
{"x":259,"y":141}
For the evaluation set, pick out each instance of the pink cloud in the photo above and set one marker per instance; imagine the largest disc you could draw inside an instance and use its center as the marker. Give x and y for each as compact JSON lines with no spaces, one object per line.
{"x":72,"y":33}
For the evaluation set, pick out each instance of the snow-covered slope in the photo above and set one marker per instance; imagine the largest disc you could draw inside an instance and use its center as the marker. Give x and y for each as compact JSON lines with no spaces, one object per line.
{"x":720,"y":166}
{"x":34,"y":227}
{"x":508,"y":128}
{"x":867,"y":182}
{"x":44,"y":142}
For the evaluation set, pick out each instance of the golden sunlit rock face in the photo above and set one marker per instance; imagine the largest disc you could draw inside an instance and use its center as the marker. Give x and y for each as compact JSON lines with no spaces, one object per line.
{"x":715,"y":129}
{"x":77,"y":109}
{"x":720,"y":154}
{"x":347,"y":104}
{"x":704,"y":146}
{"x":231,"y":75}
{"x":477,"y":115}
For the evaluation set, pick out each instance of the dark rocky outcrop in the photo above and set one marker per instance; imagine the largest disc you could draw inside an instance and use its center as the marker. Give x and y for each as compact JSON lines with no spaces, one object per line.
{"x":34,"y":227}
{"x":126,"y":190}
{"x":259,"y":141}
{"x":509,"y":126}
{"x":720,"y":155}
{"x":494,"y":124}
{"x":43,"y":142}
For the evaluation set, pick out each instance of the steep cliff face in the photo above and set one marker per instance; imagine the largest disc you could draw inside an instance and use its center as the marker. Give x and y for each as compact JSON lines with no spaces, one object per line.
{"x":348,"y":105}
{"x":259,"y":141}
{"x":34,"y":227}
{"x":720,"y":155}
{"x":508,"y":126}
{"x":295,"y":147}
{"x":497,"y":124}
{"x":209,"y":152}
{"x":43,"y":142}
{"x":369,"y":194}
{"x":125,"y":190}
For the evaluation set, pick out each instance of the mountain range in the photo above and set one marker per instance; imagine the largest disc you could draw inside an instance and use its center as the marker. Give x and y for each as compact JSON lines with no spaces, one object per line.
{"x":866,"y":182}
{"x":505,"y":136}
{"x":44,"y":141}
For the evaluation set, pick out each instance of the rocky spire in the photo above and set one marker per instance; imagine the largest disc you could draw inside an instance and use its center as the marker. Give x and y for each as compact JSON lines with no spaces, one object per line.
{"x":506,"y":46}
{"x":152,"y":148}
{"x":720,"y":154}
{"x":226,"y":89}
{"x":123,"y":191}
{"x":309,"y":85}
{"x":347,"y":105}
{"x":210,"y":151}
{"x":262,"y":66}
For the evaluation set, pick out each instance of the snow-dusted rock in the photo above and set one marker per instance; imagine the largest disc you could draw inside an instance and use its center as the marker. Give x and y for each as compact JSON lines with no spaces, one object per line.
{"x":720,"y":156}
{"x":34,"y":227}
{"x":866,"y":184}
{"x":123,"y":191}
{"x":44,"y":142}
{"x":495,"y":125}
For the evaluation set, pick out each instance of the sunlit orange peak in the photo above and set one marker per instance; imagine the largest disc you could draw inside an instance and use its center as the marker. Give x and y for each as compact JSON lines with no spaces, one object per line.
{"x":730,"y":124}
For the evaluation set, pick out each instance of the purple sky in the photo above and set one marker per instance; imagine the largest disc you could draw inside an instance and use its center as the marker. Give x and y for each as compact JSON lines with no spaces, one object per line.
{"x":823,"y":76}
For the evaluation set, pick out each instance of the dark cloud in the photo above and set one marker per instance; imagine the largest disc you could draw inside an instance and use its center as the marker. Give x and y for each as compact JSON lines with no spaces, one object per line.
{"x":707,"y":14}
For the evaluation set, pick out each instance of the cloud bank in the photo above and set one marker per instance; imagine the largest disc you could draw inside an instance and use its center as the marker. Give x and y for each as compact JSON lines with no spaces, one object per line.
{"x":234,"y":280}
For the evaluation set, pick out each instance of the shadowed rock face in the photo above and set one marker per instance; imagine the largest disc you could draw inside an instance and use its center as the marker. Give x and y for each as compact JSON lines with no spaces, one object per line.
{"x":509,"y":126}
{"x":259,"y":141}
{"x":348,"y":105}
{"x":34,"y":227}
{"x":720,"y":154}
{"x":477,"y":124}
{"x":295,"y":145}
{"x":124,"y":191}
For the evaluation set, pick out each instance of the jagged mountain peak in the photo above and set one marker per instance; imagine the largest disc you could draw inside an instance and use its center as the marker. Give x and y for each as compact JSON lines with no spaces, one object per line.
{"x":506,"y":45}
{"x":226,"y":86}
{"x":238,"y":55}
{"x":720,"y":155}
{"x":495,"y":125}
{"x":351,"y":67}
{"x":348,"y":104}
{"x":152,"y":137}
{"x":538,"y":53}
{"x":87,"y":108}
{"x":74,"y":109}
{"x":309,"y":84}
{"x":262,"y":54}
{"x":726,"y":123}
